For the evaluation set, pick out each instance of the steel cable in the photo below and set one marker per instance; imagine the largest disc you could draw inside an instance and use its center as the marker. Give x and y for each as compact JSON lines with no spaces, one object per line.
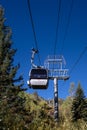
{"x":33,"y":28}
{"x":67,"y":26}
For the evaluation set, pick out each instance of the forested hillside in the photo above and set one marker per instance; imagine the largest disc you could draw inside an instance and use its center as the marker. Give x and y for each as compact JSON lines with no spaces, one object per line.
{"x":38,"y":114}
{"x":41,"y":114}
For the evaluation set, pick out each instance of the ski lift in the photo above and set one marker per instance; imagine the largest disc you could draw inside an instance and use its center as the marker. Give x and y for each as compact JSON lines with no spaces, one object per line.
{"x":38,"y":78}
{"x":38,"y":75}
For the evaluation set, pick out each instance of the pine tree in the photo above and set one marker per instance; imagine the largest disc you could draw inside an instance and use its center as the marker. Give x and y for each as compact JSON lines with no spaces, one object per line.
{"x":79,"y":105}
{"x":11,"y":104}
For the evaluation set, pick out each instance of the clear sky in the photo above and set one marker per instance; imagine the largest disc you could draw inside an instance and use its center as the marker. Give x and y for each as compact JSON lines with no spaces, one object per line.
{"x":44,"y":13}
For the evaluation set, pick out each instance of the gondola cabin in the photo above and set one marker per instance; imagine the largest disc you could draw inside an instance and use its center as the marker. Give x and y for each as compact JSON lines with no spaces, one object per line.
{"x":38,"y":78}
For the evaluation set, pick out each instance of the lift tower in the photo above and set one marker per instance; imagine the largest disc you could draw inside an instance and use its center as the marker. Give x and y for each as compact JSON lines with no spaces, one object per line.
{"x":57,"y":71}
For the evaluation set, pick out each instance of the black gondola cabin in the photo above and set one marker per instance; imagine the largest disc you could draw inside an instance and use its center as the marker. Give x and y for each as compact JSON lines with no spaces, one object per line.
{"x":38,"y":78}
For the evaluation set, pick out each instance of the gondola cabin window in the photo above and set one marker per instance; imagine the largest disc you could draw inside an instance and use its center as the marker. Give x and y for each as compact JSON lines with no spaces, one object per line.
{"x":38,"y":74}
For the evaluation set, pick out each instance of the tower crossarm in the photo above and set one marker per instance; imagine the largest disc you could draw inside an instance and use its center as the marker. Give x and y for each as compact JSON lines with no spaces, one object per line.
{"x":56,"y":67}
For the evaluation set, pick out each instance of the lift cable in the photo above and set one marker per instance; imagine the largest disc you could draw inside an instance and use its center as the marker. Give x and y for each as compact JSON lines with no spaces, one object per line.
{"x":74,"y":65}
{"x":67,"y":26}
{"x":57,"y":28}
{"x":82,"y":53}
{"x":33,"y":28}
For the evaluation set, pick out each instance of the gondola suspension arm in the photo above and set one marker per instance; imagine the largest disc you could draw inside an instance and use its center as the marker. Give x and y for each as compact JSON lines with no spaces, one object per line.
{"x":32,"y":58}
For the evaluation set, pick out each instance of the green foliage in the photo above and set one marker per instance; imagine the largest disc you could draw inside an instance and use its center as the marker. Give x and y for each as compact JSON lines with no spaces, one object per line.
{"x":66,"y":108}
{"x":41,"y":118}
{"x":79,"y":105}
{"x":11,"y":104}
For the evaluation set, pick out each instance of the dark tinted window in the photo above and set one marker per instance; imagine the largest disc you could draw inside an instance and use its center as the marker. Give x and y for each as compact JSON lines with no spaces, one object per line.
{"x":38,"y":73}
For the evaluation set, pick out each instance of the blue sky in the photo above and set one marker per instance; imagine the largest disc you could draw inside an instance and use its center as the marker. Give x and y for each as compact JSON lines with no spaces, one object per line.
{"x":44,"y":14}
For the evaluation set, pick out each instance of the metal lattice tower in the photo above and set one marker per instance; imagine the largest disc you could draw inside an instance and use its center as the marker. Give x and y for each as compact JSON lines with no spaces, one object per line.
{"x":57,"y":71}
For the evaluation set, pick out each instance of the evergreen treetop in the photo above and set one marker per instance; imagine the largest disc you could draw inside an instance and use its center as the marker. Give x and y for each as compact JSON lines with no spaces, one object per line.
{"x":7,"y":70}
{"x":79,"y":105}
{"x":11,"y":104}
